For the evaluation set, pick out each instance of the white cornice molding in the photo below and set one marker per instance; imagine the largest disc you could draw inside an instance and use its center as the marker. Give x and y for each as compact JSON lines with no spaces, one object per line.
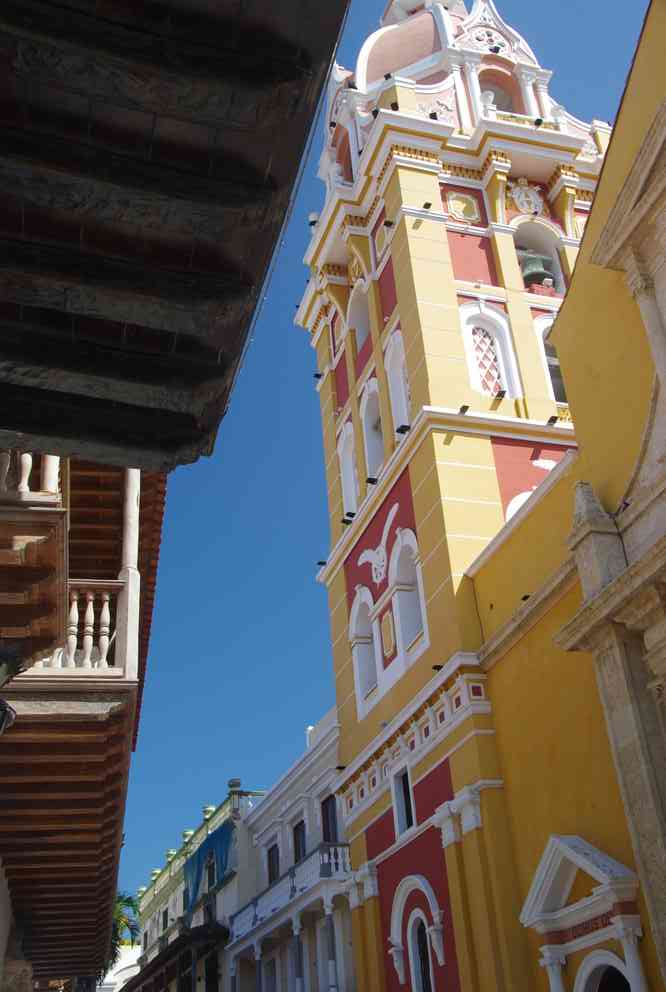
{"x":553,"y":477}
{"x":432,"y":418}
{"x":461,"y":659}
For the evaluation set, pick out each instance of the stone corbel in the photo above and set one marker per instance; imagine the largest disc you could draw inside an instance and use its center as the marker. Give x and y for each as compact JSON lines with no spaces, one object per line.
{"x":436,"y":934}
{"x":447,"y":821}
{"x":398,"y":955}
{"x":641,"y":286}
{"x":367,"y":876}
{"x":467,"y":804}
{"x":646,"y":614}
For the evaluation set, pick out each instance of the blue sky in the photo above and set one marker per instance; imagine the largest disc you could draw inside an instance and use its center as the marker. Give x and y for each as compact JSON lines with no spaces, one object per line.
{"x":240,"y":659}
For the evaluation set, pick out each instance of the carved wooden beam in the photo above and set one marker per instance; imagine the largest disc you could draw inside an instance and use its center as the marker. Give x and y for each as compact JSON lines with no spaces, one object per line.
{"x":222,"y":71}
{"x":81,"y":283}
{"x":96,"y":183}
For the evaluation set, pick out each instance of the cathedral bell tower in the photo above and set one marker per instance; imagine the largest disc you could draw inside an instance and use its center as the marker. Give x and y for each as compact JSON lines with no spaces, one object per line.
{"x":457,"y":192}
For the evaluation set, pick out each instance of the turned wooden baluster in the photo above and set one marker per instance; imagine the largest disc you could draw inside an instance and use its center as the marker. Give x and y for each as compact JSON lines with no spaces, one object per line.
{"x":25,"y":468}
{"x":72,"y":629}
{"x":104,"y":629}
{"x":88,"y":628}
{"x":5,"y":462}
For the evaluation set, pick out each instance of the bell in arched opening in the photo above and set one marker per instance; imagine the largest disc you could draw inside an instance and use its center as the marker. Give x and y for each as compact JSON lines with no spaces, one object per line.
{"x":534,"y":266}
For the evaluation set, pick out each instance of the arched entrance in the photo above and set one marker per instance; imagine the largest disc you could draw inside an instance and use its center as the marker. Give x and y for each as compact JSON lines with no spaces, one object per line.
{"x":612,"y":980}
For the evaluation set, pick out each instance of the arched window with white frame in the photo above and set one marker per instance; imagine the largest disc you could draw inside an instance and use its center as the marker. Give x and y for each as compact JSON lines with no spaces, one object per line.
{"x":362,"y":638}
{"x":542,"y":326}
{"x":373,"y":437}
{"x":489,"y":351}
{"x":358,"y":314}
{"x":420,"y":960}
{"x":396,"y":374}
{"x":408,"y":600}
{"x":348,"y":475}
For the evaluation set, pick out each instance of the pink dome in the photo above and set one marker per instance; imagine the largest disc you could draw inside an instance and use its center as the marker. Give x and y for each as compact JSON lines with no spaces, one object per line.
{"x":394,"y":48}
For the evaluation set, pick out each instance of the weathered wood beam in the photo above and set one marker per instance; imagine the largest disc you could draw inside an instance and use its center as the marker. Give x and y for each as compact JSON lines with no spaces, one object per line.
{"x":94,"y":183}
{"x":218,"y":76}
{"x":39,"y":356}
{"x":78,"y":282}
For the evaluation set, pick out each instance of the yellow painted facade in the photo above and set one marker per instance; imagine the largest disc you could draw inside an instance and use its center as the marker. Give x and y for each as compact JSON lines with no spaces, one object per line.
{"x":488,"y":690}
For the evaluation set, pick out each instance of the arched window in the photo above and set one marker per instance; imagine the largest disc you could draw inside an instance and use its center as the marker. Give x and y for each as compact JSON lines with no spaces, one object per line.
{"x":602,"y":971}
{"x":363,"y":645}
{"x":403,"y":576}
{"x":396,"y":373}
{"x":373,"y":437}
{"x":487,"y":361}
{"x":490,"y":360}
{"x":358,"y":315}
{"x":419,"y":955}
{"x":539,"y":258}
{"x":504,"y":88}
{"x":348,"y":476}
{"x":542,"y":325}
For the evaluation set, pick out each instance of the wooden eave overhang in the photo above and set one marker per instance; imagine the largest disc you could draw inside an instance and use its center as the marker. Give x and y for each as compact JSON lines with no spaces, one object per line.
{"x":150,"y":154}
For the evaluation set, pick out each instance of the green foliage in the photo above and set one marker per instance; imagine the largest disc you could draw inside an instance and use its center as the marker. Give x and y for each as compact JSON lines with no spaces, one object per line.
{"x":125,"y":925}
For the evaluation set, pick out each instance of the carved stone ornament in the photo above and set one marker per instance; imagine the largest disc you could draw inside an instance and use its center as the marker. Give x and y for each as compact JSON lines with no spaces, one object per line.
{"x":528,"y":199}
{"x":398,"y":955}
{"x":355,"y":270}
{"x":377,"y":557}
{"x":463,"y":206}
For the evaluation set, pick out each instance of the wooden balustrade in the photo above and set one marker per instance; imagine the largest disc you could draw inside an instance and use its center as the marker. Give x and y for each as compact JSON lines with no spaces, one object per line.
{"x":17,"y":481}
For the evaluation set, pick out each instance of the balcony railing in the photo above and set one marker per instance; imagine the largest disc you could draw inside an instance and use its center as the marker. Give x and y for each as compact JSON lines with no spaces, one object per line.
{"x":29,"y":479}
{"x":328,"y":861}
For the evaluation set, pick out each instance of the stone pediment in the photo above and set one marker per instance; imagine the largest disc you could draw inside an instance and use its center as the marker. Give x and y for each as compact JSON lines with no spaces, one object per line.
{"x":548,"y":906}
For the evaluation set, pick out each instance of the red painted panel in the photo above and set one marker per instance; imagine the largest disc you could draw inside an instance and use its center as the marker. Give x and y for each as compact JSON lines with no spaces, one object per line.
{"x":380,"y":835}
{"x":472,"y":258}
{"x":387,"y":292}
{"x":380,"y":221}
{"x":357,"y":574}
{"x":475,"y":193}
{"x":423,"y":856}
{"x":341,"y":382}
{"x":344,"y":157}
{"x":363,"y":355}
{"x":433,"y":790}
{"x":522,"y":465}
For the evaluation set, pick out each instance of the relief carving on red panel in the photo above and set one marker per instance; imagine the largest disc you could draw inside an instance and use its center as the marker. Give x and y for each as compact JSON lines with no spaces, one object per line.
{"x":367,"y":562}
{"x":521,"y":467}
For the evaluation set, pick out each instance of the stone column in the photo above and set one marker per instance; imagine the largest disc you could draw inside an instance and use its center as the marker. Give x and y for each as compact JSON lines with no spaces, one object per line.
{"x":330,"y":947}
{"x":553,"y":961}
{"x":527,"y":80}
{"x":461,"y":98}
{"x":50,"y":467}
{"x":543,"y":97}
{"x":257,"y":967}
{"x":297,"y":954}
{"x":628,"y":929}
{"x":127,"y":621}
{"x":474,"y":87}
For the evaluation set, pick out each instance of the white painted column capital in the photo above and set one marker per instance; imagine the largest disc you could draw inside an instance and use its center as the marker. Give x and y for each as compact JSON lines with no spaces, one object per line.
{"x":553,"y":960}
{"x":447,"y":821}
{"x":367,"y":876}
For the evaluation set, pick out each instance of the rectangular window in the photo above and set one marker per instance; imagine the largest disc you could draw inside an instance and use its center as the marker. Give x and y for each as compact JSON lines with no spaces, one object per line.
{"x":403,"y":799}
{"x":186,"y":899}
{"x":165,"y":919}
{"x":273,"y":863}
{"x":329,"y":820}
{"x":210,"y":873}
{"x":299,"y":841}
{"x":145,"y":939}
